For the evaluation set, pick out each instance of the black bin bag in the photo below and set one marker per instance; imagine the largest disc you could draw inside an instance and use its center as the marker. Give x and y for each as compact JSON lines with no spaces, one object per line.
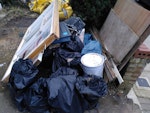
{"x":22,"y":75}
{"x":91,"y":88}
{"x":35,"y":97}
{"x":62,"y":94}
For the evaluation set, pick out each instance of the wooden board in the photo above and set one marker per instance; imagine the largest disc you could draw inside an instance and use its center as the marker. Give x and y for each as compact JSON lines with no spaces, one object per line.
{"x":117,"y":37}
{"x":134,"y":15}
{"x":53,"y":33}
{"x":145,"y":34}
{"x":39,"y":35}
{"x":48,"y":31}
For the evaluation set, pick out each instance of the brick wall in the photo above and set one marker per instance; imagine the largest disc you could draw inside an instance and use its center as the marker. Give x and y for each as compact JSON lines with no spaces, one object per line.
{"x":133,"y":71}
{"x":142,"y":52}
{"x":135,"y":67}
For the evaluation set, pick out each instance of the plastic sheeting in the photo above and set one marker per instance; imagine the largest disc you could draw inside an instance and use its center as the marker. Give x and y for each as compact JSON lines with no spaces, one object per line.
{"x":58,"y":57}
{"x":87,"y":38}
{"x":75,"y":45}
{"x":23,"y":74}
{"x":62,"y":93}
{"x":92,"y":88}
{"x":35,"y":97}
{"x":61,"y":57}
{"x":92,"y":47}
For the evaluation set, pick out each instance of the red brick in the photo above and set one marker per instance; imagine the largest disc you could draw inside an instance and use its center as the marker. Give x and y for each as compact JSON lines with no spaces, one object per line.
{"x":142,"y":52}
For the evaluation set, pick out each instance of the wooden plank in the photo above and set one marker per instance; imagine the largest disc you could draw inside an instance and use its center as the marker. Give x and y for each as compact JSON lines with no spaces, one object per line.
{"x":109,"y":72}
{"x":41,"y":47}
{"x":48,"y":26}
{"x":112,"y":72}
{"x":55,"y":19}
{"x":134,"y":15}
{"x":117,"y":73}
{"x":54,"y":33}
{"x":117,"y":37}
{"x":42,"y":30}
{"x":39,"y":35}
{"x":145,"y":34}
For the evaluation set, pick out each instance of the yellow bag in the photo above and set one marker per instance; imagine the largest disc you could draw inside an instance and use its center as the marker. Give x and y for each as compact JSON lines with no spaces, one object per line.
{"x":65,"y":11}
{"x":38,"y":5}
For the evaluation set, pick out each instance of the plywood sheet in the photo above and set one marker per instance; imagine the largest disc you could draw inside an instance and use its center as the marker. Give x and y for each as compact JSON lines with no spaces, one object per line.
{"x":134,"y":15}
{"x":117,"y":36}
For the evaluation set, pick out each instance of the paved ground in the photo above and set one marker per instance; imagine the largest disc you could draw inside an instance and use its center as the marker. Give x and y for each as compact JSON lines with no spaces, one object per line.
{"x":140,"y":93}
{"x":147,"y":42}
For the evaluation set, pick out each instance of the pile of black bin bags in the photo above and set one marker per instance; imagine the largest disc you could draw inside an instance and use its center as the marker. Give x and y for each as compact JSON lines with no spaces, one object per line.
{"x":57,"y":85}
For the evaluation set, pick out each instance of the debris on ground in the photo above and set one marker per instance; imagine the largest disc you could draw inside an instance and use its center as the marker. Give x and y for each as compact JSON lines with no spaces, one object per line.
{"x":65,"y":88}
{"x":59,"y":83}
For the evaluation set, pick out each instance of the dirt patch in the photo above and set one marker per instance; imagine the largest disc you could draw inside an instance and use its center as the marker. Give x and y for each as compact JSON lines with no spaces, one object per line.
{"x":9,"y":42}
{"x":12,"y":28}
{"x":20,"y":22}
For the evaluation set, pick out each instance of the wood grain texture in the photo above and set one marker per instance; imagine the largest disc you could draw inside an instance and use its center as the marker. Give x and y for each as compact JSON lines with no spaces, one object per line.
{"x":145,"y":34}
{"x":118,"y":38}
{"x":55,"y":19}
{"x":134,"y":15}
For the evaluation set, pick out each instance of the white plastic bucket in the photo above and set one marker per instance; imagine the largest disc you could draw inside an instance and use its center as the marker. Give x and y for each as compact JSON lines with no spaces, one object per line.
{"x":93,"y":64}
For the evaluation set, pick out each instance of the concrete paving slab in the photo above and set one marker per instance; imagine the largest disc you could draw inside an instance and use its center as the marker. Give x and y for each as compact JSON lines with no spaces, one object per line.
{"x":144,"y":100}
{"x":141,"y":94}
{"x":132,"y":95}
{"x":117,"y":104}
{"x":147,"y":68}
{"x":6,"y":103}
{"x":145,"y":111}
{"x":146,"y":74}
{"x":145,"y":107}
{"x":147,"y":41}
